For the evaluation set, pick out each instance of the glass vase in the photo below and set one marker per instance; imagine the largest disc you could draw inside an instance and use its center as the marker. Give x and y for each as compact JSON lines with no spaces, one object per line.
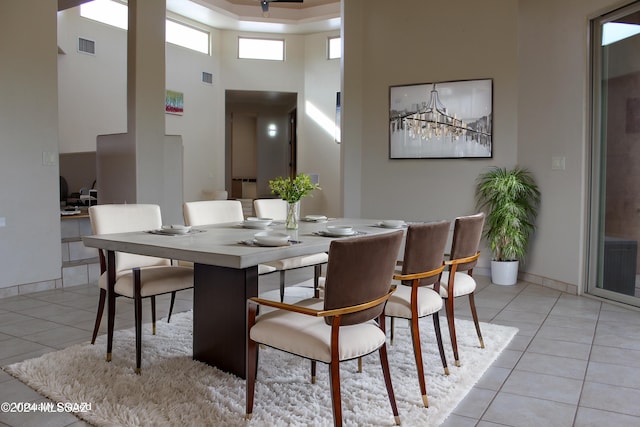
{"x":293,"y":215}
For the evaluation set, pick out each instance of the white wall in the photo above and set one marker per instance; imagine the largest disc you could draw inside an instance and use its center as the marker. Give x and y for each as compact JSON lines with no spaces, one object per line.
{"x":317,"y":149}
{"x":93,"y":98}
{"x":536,"y":52}
{"x":30,"y":248}
{"x":203,"y":118}
{"x":553,"y":121}
{"x":463,"y":40}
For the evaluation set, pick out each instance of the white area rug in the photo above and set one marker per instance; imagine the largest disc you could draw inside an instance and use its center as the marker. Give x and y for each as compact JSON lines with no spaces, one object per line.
{"x":174,"y":390}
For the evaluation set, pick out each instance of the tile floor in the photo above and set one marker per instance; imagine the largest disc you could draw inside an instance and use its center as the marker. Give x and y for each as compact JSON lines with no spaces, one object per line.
{"x":574,"y":362}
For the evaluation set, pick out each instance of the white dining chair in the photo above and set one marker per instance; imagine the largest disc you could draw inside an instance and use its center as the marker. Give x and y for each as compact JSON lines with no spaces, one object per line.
{"x":216,"y":212}
{"x":136,"y":276}
{"x":276,"y":209}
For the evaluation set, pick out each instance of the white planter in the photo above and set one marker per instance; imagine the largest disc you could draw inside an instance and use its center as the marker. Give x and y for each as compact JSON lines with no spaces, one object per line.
{"x":504,"y":272}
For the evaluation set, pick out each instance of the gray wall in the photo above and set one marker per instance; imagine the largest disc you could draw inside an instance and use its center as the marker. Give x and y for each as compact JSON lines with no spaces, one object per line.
{"x":537,"y":53}
{"x":535,"y":50}
{"x":30,"y":249}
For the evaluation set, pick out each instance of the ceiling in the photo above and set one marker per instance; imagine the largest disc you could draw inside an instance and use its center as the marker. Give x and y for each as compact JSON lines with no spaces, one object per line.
{"x":246,"y":15}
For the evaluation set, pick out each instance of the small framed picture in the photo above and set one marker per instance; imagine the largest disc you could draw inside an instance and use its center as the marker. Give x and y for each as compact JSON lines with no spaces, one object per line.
{"x":174,"y":102}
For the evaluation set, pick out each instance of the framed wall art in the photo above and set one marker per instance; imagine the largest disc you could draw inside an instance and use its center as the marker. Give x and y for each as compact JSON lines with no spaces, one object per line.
{"x":174,"y":102}
{"x":443,"y":120}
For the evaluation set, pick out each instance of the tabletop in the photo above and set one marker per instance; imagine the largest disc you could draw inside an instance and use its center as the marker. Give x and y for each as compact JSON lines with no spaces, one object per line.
{"x":221,"y":244}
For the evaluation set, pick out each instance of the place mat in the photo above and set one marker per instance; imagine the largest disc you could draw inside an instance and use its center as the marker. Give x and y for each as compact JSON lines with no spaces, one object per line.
{"x":164,"y":233}
{"x":327,"y":234}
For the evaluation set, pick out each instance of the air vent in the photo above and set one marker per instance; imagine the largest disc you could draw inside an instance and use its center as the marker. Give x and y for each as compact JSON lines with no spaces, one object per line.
{"x":207,"y":78}
{"x":86,"y":46}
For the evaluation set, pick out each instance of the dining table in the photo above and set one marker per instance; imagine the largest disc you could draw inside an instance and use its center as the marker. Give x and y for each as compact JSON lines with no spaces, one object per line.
{"x":225,"y":259}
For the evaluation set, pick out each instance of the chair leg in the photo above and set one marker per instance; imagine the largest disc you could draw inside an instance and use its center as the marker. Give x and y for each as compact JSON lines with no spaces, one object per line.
{"x":153,"y":314}
{"x":252,"y":369}
{"x":101,"y":301}
{"x":173,"y":300}
{"x":313,"y":372}
{"x":334,"y":374}
{"x":111,"y":301}
{"x":436,"y":327}
{"x":448,"y":304}
{"x":474,"y":313}
{"x":137,"y":302}
{"x":417,"y":353}
{"x":384,"y":361}
{"x":317,"y":272}
{"x":393,"y":321}
{"x":281,"y":285}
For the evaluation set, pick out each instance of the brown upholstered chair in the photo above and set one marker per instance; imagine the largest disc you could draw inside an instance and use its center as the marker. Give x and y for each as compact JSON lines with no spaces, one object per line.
{"x":358,"y":283}
{"x":136,"y":276}
{"x":458,"y":279}
{"x":276,"y":209}
{"x":421,"y":267}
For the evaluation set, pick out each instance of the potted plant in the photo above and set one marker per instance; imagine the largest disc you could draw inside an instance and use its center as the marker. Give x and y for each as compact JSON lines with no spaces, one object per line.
{"x":292,"y":190}
{"x":510,"y":198}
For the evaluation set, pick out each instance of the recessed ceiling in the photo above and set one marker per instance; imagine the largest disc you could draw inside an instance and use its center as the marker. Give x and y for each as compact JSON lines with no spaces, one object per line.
{"x":303,"y":5}
{"x":246,"y":15}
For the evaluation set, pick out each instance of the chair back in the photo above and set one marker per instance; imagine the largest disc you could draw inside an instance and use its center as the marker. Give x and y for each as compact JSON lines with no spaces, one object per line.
{"x":212,"y":212}
{"x":467,"y":232}
{"x":275,"y":209}
{"x":116,"y":218}
{"x":360,"y":270}
{"x":424,"y":249}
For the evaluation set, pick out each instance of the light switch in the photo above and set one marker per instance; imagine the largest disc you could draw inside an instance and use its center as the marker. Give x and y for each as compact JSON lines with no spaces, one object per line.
{"x":557,"y":162}
{"x":3,"y":222}
{"x":49,"y":159}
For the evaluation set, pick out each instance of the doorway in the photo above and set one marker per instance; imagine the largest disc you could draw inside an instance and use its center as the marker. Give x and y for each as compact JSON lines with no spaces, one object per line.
{"x":261,"y":129}
{"x":615,"y":186}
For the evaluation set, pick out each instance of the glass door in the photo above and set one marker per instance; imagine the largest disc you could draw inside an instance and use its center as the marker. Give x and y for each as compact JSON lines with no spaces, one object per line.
{"x":615,"y":185}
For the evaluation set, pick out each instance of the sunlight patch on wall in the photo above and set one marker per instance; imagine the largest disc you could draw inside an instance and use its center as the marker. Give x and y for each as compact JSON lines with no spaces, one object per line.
{"x":326,"y":123}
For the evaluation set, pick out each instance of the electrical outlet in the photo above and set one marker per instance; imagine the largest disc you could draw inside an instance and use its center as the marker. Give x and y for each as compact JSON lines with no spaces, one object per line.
{"x":3,"y":222}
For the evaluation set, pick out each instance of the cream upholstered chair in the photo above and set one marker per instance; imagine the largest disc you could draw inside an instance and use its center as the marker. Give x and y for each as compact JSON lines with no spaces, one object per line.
{"x":421,"y":267}
{"x":136,"y":276}
{"x":216,"y":212}
{"x":457,"y":280}
{"x":212,"y":212}
{"x":340,"y":327}
{"x":276,"y":209}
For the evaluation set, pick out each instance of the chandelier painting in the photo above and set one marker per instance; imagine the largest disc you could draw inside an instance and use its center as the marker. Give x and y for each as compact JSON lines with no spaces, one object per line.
{"x":441,"y":120}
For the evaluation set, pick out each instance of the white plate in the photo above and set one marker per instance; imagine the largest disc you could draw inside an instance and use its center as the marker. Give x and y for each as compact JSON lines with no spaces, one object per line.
{"x":328,"y":233}
{"x":253,"y":222}
{"x":392,"y":223}
{"x":175,"y":229}
{"x":271,"y":238}
{"x":340,"y":230}
{"x":315,"y":218}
